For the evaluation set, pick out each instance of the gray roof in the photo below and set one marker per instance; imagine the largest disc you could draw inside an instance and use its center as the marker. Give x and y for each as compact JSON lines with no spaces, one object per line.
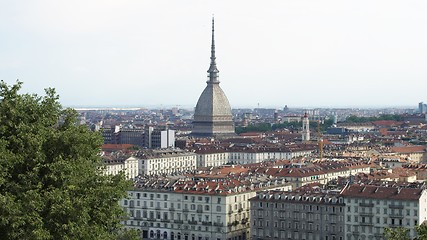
{"x":212,"y":102}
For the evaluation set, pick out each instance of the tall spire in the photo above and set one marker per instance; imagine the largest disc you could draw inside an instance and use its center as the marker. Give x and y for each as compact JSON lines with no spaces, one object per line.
{"x":213,"y":70}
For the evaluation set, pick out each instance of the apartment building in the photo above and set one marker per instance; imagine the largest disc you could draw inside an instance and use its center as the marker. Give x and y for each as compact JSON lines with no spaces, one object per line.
{"x":310,"y":215}
{"x":181,"y":208}
{"x":322,"y":172}
{"x":166,"y":161}
{"x":356,"y":212}
{"x":214,"y":156}
{"x":114,"y":165}
{"x":369,"y":209}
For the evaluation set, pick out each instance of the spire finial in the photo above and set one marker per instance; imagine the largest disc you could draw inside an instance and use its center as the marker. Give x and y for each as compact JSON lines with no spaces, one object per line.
{"x":213,"y":40}
{"x":213,"y":70}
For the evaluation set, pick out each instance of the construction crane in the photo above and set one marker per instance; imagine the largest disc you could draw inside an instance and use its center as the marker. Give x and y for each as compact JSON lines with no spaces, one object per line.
{"x":319,"y":140}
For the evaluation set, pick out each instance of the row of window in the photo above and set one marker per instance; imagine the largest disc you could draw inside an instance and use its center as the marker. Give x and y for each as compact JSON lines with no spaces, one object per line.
{"x":381,"y":201}
{"x":302,"y":207}
{"x":292,"y":235}
{"x":296,"y":226}
{"x":385,"y":210}
{"x":386,"y":220}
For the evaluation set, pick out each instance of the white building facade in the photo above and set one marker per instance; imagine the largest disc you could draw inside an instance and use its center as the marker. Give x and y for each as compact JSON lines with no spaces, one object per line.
{"x":167,"y":161}
{"x":201,"y":211}
{"x":218,"y":158}
{"x":128,"y":165}
{"x":370,"y":209}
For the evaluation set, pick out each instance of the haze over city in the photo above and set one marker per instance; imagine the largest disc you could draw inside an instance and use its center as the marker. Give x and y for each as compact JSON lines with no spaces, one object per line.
{"x":269,"y":54}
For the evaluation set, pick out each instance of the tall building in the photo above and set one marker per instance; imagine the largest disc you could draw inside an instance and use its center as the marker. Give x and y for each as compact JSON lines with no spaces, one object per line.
{"x":370,"y":209}
{"x":159,"y":138}
{"x":212,"y":116}
{"x":356,"y":212}
{"x":184,"y":209}
{"x":305,"y":128}
{"x":134,"y":136}
{"x":422,"y":107}
{"x":297,"y":215}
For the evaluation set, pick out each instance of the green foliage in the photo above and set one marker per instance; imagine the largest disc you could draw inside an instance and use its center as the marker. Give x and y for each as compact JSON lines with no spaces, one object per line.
{"x":287,"y":125}
{"x":399,"y":233}
{"x":51,"y":186}
{"x":261,"y":127}
{"x":355,"y":119}
{"x":130,"y":234}
{"x":265,"y":127}
{"x":421,"y":231}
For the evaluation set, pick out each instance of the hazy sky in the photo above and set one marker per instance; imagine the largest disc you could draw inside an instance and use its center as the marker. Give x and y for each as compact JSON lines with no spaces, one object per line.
{"x":150,"y":53}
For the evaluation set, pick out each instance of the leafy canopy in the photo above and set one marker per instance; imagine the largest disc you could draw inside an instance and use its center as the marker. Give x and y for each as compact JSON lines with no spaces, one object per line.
{"x":51,"y":182}
{"x":401,"y":233}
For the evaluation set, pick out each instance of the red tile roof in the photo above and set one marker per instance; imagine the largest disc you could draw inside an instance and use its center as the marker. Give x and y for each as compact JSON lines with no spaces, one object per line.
{"x":116,"y":147}
{"x":409,"y":149}
{"x":378,"y":192}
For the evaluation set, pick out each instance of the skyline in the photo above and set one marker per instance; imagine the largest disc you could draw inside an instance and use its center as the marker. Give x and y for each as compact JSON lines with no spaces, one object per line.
{"x":156,"y":53}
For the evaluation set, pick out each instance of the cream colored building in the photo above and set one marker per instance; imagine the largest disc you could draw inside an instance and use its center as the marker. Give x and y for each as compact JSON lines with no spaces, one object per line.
{"x":115,"y":166}
{"x":164,"y":208}
{"x":166,"y":161}
{"x":213,"y":158}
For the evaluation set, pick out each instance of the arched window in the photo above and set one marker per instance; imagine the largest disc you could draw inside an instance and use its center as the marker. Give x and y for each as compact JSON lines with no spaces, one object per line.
{"x":172,"y":235}
{"x":151,"y":234}
{"x":165,"y":235}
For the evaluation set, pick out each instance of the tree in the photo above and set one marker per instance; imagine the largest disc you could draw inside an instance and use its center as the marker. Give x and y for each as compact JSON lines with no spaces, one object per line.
{"x":51,"y":181}
{"x":421,"y":231}
{"x":398,"y":233}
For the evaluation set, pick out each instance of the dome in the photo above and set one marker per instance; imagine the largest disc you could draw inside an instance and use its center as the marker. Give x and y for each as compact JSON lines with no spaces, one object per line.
{"x":212,"y":102}
{"x":212,"y":116}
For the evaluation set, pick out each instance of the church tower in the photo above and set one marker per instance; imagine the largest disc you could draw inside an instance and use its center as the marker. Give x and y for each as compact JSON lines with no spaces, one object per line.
{"x":212,"y":116}
{"x":305,"y":128}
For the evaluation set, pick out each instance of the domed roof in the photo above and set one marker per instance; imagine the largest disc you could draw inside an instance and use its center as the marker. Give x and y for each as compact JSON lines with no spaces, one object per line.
{"x":212,"y":116}
{"x":212,"y":102}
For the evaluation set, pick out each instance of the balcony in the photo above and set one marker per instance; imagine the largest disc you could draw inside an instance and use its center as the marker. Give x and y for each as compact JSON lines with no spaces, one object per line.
{"x":192,"y":222}
{"x":366,"y":224}
{"x":366,"y":204}
{"x":151,"y":219}
{"x":185,"y":210}
{"x":178,"y":221}
{"x":218,"y":224}
{"x":207,"y":223}
{"x":396,"y":215}
{"x":396,"y":206}
{"x":165,"y":220}
{"x":157,"y":208}
{"x":171,"y":209}
{"x":367,"y":214}
{"x":199,"y":211}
